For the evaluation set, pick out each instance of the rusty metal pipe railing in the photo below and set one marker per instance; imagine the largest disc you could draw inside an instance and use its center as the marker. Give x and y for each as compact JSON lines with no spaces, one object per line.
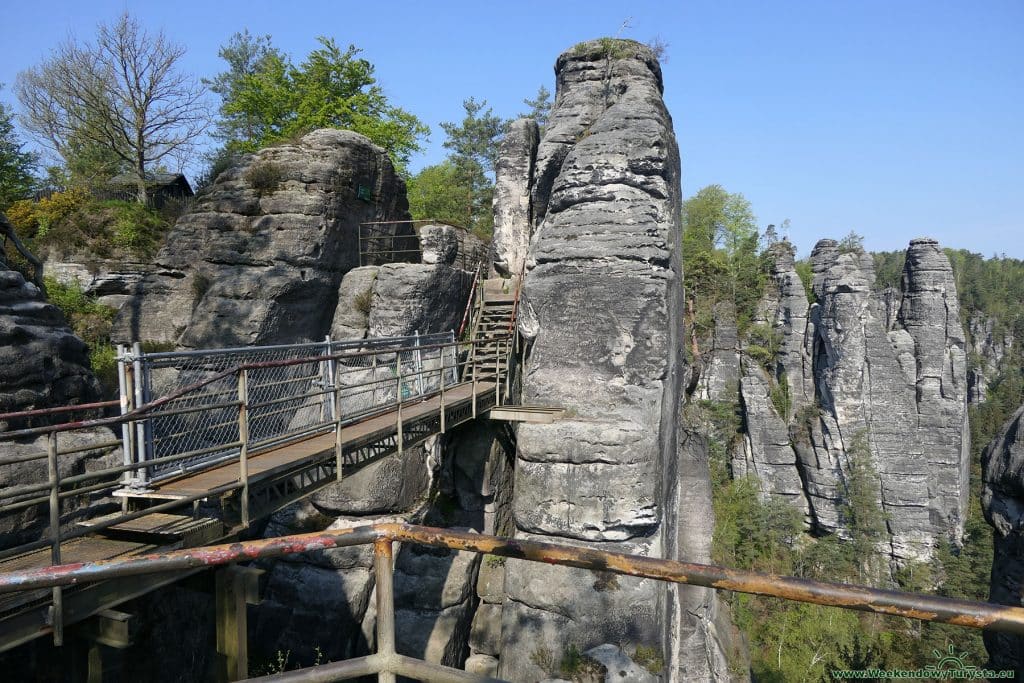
{"x":60,"y":409}
{"x":968,"y":613}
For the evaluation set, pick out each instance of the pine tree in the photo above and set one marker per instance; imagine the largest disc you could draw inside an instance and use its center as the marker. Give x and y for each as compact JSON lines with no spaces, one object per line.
{"x":16,"y":166}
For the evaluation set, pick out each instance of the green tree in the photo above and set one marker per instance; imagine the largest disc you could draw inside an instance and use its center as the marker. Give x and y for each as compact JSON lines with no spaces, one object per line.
{"x":123,"y":92}
{"x":853,"y":242}
{"x":16,"y":166}
{"x":246,"y":55}
{"x":540,"y":107}
{"x":473,"y":143}
{"x":333,"y":88}
{"x":438,"y":192}
{"x":721,"y":259}
{"x":859,"y":510}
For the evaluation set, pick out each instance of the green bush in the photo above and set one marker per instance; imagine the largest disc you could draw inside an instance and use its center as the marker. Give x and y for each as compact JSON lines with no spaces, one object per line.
{"x":780,"y":398}
{"x":363,"y":301}
{"x":91,"y":321}
{"x":265,"y":177}
{"x":72,"y":220}
{"x":763,"y":345}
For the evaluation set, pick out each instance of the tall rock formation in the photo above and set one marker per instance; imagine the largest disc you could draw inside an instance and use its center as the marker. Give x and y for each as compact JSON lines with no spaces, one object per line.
{"x":42,"y":365}
{"x":512,"y":213}
{"x":890,"y":370}
{"x":604,"y":291}
{"x":260,"y":258}
{"x":1002,"y":500}
{"x":42,"y":362}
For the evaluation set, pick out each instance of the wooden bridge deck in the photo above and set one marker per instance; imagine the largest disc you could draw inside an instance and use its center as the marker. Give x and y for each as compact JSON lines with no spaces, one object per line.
{"x":23,"y":614}
{"x":284,"y":458}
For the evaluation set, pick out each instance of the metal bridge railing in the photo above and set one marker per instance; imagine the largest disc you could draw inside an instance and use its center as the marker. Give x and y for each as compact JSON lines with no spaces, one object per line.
{"x":284,"y":401}
{"x":363,"y":380}
{"x":399,"y":242}
{"x":387,"y":663}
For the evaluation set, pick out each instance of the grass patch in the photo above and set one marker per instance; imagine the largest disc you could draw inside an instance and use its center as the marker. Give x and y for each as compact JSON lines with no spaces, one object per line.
{"x":363,"y":301}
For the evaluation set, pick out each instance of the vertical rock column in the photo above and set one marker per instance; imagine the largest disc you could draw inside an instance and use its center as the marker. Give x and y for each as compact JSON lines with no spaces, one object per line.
{"x":1002,"y":500}
{"x":604,"y":287}
{"x":513,"y":175}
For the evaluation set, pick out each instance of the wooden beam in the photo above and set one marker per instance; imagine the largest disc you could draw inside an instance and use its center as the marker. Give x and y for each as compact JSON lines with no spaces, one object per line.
{"x":236,"y":587}
{"x":110,"y":627}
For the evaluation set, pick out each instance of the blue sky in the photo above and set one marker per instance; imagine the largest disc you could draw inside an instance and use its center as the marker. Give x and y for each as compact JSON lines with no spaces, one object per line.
{"x":896,"y":118}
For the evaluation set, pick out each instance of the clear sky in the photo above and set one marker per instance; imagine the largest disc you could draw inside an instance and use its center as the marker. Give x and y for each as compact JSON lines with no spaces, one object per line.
{"x":893,"y":118}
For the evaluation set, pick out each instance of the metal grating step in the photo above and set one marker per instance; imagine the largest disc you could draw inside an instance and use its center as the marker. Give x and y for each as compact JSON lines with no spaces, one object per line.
{"x":161,"y":528}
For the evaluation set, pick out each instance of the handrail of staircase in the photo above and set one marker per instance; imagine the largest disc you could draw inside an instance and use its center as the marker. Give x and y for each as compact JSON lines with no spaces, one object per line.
{"x":515,"y":304}
{"x":469,"y":302}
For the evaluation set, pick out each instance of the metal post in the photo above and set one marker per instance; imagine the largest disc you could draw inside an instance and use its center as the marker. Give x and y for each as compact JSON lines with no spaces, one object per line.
{"x":125,"y":398}
{"x":128,"y":430}
{"x":398,"y":374}
{"x":327,"y":378}
{"x":382,"y":560}
{"x":140,"y":425}
{"x":338,"y":459}
{"x":472,"y":370}
{"x":497,"y":372}
{"x":57,"y":610}
{"x":444,"y":366}
{"x":419,"y":365}
{"x":243,"y":437}
{"x":508,"y":371}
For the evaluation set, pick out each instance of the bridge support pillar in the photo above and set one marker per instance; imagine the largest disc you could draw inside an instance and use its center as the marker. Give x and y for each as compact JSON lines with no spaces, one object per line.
{"x":236,"y":587}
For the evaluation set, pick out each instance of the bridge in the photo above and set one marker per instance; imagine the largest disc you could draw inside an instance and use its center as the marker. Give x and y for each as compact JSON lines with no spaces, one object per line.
{"x":213,"y":441}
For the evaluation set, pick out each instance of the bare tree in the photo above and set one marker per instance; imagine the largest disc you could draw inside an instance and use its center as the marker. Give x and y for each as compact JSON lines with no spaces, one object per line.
{"x":123,"y":92}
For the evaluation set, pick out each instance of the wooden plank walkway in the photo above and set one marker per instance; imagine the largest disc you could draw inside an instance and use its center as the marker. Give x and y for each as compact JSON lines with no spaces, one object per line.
{"x":22,"y":618}
{"x":284,"y":458}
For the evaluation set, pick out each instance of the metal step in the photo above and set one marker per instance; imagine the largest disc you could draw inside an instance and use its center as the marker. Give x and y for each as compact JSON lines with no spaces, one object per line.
{"x":534,"y":414}
{"x":161,"y":529}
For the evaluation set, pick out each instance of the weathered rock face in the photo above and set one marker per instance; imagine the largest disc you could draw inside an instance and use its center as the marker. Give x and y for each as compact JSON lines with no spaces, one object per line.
{"x":42,"y":362}
{"x":603,"y":288}
{"x":888,"y":369}
{"x":260,"y":258}
{"x":418,"y":297}
{"x":1002,"y":500}
{"x":399,"y":299}
{"x":42,"y":365}
{"x":720,"y":376}
{"x":512,"y":216}
{"x":989,"y":345}
{"x":112,"y":282}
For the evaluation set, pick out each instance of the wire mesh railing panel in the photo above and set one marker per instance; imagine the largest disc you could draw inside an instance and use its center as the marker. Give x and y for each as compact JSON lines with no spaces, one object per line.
{"x":166,"y":372}
{"x":284,"y":401}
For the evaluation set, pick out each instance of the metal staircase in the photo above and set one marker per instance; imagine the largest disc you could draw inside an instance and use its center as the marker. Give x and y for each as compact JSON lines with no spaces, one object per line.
{"x":494,"y":323}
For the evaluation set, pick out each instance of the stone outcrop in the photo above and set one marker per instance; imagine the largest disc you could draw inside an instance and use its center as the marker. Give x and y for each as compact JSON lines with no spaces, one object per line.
{"x":42,"y":363}
{"x":111,"y":282}
{"x":604,"y":293}
{"x":719,"y":377}
{"x":990,"y":345}
{"x":260,"y":258}
{"x":1002,"y":500}
{"x":887,"y":369}
{"x":512,"y":215}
